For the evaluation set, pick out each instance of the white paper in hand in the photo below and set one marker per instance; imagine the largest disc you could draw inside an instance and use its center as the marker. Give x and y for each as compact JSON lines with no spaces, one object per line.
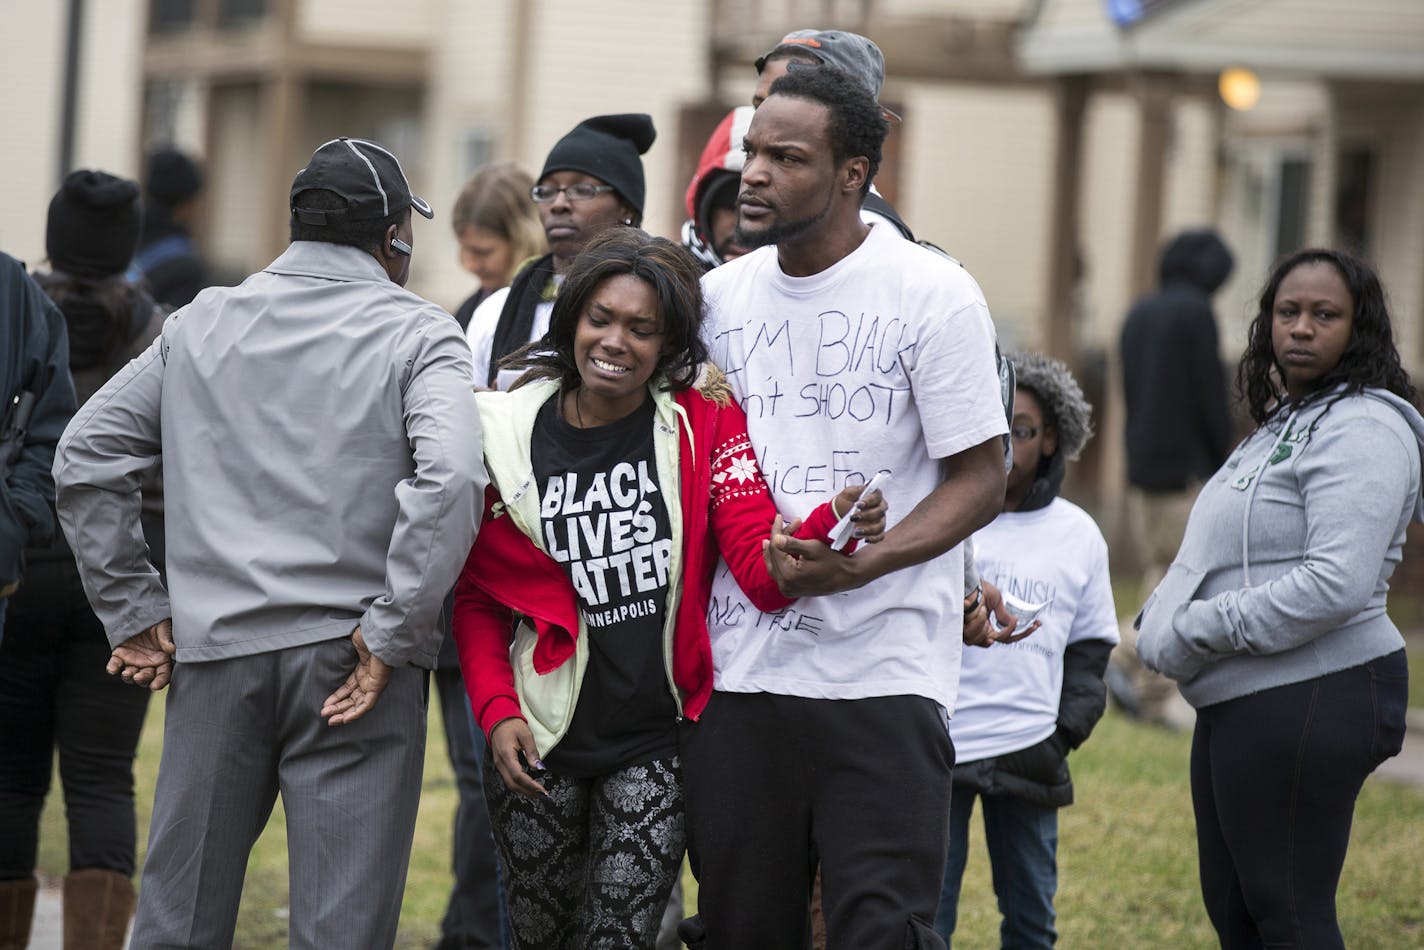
{"x":841,"y":533}
{"x":1022,"y":609}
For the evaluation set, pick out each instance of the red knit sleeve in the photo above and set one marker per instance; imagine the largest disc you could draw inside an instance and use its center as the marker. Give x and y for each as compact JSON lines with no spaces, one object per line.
{"x":483,"y":629}
{"x":742,"y":511}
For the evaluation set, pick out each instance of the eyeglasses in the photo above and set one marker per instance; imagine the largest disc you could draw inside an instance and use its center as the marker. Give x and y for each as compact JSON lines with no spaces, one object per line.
{"x":543,"y":194}
{"x":1024,"y":433}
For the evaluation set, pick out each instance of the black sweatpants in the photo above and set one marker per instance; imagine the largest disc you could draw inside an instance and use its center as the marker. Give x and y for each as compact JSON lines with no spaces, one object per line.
{"x":775,"y":784}
{"x":1274,"y":779}
{"x":56,"y":695}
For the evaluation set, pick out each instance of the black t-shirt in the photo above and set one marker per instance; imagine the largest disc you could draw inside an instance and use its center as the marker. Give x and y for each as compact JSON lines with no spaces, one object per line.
{"x":604,"y":518}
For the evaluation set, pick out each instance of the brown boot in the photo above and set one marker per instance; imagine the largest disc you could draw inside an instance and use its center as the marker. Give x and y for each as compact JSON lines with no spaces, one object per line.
{"x":97,"y":908}
{"x":17,"y":908}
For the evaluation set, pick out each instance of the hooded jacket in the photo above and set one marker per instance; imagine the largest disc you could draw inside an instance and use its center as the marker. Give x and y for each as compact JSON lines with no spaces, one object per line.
{"x":35,"y":358}
{"x":1178,"y":423}
{"x":511,"y":584}
{"x":721,"y":161}
{"x":1283,"y":571}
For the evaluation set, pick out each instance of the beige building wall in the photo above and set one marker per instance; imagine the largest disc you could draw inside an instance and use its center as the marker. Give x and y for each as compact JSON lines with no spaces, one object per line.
{"x":409,"y":23}
{"x":976,"y":180}
{"x":1394,"y":121}
{"x":1109,"y":179}
{"x":110,"y":91}
{"x":650,"y":57}
{"x":236,"y":201}
{"x":1191,"y":186}
{"x":32,"y":56}
{"x":986,"y":9}
{"x":584,"y":59}
{"x":466,"y":113}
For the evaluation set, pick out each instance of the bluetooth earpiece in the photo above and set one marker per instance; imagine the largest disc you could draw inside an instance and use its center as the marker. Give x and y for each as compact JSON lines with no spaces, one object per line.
{"x":400,"y":247}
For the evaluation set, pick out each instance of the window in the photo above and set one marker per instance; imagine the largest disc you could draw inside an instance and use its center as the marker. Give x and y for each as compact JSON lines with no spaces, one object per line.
{"x":1354,"y":189}
{"x":476,"y":148}
{"x":240,"y":12}
{"x":1294,"y":199}
{"x":171,"y":16}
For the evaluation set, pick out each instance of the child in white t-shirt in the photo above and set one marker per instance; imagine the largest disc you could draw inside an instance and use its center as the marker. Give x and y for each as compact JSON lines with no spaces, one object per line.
{"x":1022,"y":706}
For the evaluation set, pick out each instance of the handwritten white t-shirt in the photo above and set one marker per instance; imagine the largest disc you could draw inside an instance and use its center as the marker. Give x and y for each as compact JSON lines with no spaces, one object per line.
{"x":480,"y":335}
{"x":1008,"y":694}
{"x":884,"y":361}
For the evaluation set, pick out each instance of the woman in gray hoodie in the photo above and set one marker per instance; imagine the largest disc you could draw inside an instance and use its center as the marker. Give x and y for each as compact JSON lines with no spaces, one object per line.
{"x":1272,"y":617}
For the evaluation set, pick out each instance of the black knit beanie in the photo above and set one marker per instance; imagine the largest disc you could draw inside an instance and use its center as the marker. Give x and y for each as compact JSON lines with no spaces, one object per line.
{"x":607,"y":147}
{"x":94,"y":222}
{"x":172,"y":177}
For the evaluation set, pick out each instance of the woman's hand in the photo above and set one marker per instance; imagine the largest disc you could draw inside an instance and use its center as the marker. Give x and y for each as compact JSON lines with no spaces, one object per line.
{"x":870,"y":515}
{"x":508,"y":740}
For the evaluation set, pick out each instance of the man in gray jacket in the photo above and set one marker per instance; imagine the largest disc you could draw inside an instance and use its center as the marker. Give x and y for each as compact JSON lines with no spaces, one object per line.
{"x":322,"y":476}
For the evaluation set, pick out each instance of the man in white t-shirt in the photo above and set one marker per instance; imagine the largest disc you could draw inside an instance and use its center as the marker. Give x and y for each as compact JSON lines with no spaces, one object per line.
{"x":853,"y":352}
{"x":1023,"y":706}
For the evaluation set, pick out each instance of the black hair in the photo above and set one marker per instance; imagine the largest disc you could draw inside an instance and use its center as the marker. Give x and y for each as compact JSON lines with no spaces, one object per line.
{"x":368,"y":235}
{"x":1370,"y":359}
{"x":857,"y":126}
{"x":99,"y":313}
{"x":668,"y":268}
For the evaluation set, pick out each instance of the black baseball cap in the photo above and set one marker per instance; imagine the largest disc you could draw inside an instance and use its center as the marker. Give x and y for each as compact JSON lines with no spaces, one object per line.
{"x":367,"y":175}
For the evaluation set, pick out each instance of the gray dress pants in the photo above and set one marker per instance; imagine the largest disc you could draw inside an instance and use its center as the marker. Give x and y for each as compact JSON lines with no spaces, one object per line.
{"x":237,"y":732}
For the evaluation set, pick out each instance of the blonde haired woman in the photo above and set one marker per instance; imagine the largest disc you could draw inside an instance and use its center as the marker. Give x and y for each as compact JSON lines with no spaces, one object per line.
{"x":498,"y":228}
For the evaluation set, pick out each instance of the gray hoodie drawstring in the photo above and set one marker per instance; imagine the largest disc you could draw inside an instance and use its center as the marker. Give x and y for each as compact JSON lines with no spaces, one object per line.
{"x":1251,"y":493}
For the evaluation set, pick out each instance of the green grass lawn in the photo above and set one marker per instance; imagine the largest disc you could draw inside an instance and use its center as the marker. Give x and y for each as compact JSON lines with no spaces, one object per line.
{"x":1127,"y":862}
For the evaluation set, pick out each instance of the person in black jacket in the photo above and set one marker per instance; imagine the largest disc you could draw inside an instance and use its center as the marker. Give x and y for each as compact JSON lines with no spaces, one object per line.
{"x":1023,"y":705}
{"x":1178,"y":423}
{"x":55,"y":695}
{"x":39,"y":400}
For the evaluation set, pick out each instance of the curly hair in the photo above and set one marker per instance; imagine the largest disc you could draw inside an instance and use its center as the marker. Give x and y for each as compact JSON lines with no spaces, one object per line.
{"x":1062,"y":399}
{"x":857,"y":127}
{"x":496,"y":198}
{"x":675,"y":278}
{"x":1370,"y":359}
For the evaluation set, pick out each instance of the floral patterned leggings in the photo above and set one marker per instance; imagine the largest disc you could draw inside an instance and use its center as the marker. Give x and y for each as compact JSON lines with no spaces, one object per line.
{"x":591,"y":865}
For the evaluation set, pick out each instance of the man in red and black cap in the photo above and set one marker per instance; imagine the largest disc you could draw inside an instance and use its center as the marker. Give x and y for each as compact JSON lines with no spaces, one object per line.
{"x":322,"y":484}
{"x":710,"y":229}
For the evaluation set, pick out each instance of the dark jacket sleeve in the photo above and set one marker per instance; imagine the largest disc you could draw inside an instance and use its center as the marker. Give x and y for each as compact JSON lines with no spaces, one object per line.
{"x":45,"y":367}
{"x":1084,"y":696}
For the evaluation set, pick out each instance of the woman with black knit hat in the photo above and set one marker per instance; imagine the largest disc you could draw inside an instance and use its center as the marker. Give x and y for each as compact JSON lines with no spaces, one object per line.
{"x":54,"y":691}
{"x":592,"y":181}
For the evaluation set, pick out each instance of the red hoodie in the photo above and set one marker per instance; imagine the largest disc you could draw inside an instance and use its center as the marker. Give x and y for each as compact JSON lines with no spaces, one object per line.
{"x":726,"y":510}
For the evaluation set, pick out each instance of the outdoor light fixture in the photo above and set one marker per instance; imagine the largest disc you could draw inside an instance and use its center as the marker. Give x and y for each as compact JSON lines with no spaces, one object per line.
{"x":1240,"y":88}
